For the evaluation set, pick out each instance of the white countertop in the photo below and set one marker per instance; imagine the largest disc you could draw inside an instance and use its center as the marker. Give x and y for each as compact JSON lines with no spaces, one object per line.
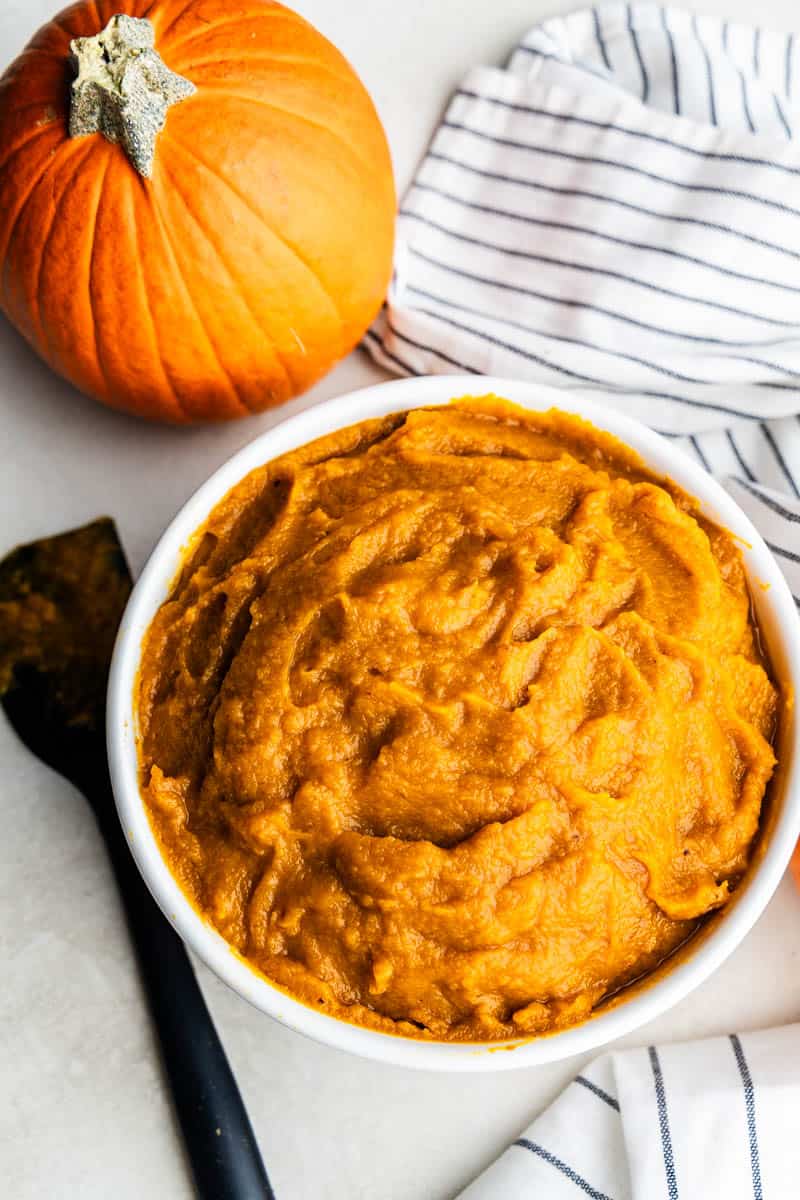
{"x":83,"y":1111}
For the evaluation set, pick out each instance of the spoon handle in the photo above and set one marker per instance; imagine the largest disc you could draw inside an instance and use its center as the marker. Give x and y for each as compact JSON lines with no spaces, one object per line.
{"x":221,"y":1146}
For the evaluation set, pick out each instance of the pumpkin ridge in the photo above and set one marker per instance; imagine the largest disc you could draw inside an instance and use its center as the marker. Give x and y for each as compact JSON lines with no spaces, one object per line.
{"x":38,"y":178}
{"x":44,"y":244}
{"x":106,"y":9}
{"x":163,"y":31}
{"x":98,"y":353}
{"x":21,"y":145}
{"x":90,"y":261}
{"x":32,"y":48}
{"x":62,"y":23}
{"x":276,"y":352}
{"x":292,"y":60}
{"x":271,"y":11}
{"x":134,"y":225}
{"x":287,"y":112}
{"x":169,"y":243}
{"x":279,"y":237}
{"x":63,"y":26}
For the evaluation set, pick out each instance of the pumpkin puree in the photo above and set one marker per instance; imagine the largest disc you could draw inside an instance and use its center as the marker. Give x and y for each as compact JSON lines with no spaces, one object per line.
{"x":456,"y":721}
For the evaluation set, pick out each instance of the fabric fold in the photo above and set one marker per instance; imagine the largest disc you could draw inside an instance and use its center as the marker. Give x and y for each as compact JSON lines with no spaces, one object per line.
{"x":698,"y":1119}
{"x":616,"y":213}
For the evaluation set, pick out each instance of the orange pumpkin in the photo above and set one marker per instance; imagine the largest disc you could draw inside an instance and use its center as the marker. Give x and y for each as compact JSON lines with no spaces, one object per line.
{"x":219,"y":266}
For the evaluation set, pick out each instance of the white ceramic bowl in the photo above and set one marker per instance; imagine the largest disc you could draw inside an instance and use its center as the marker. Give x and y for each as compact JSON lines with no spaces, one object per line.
{"x":779,"y":622}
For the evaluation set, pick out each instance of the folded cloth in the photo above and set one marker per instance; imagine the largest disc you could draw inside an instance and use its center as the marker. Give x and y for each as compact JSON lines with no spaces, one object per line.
{"x":708,"y":1119}
{"x":618,"y":213}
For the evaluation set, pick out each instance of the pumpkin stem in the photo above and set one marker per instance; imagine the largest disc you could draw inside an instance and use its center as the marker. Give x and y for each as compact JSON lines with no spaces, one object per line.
{"x":123,"y":89}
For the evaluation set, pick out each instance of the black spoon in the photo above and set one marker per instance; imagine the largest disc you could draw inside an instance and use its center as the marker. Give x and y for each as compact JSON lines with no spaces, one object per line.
{"x":61,"y":600}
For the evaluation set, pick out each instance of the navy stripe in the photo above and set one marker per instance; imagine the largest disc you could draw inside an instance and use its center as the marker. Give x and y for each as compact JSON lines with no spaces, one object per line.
{"x":537,"y":52}
{"x":560,"y":337}
{"x":663,"y":1123}
{"x":483,"y":336}
{"x":454,"y":362}
{"x":552,"y":366}
{"x":768,"y":502}
{"x":562,"y":1167}
{"x":762,"y":362}
{"x":529,"y":256}
{"x":404,"y":366}
{"x":638,"y":52}
{"x":781,"y":461}
{"x":571,"y":156}
{"x":505,"y":286}
{"x":789,"y":52}
{"x":598,"y":1091}
{"x":699,"y":452}
{"x":737,"y":453}
{"x":535,"y":185}
{"x":598,"y":33}
{"x":519,"y":290}
{"x":782,"y":116}
{"x":780,"y":387}
{"x":789,"y":555}
{"x":676,"y":92}
{"x":590,"y":231}
{"x":745,"y":105}
{"x":712,"y":104}
{"x":756,"y":51}
{"x":571,"y":118}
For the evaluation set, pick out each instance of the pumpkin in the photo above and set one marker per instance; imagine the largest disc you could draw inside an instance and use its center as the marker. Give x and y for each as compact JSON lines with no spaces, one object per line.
{"x":196,"y":204}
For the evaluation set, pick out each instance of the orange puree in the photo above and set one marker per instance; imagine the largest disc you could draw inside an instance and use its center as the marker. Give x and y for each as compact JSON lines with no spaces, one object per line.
{"x":456,"y":721}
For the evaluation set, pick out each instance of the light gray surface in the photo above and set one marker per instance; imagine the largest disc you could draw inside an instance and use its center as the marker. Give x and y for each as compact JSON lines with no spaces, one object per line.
{"x":83,"y":1114}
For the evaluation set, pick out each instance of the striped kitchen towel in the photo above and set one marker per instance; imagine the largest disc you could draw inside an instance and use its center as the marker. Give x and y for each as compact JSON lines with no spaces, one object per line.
{"x":618,"y":213}
{"x":690,"y":1122}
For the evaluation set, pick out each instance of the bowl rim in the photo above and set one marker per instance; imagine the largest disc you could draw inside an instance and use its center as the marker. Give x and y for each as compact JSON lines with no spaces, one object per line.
{"x":642,"y":1004}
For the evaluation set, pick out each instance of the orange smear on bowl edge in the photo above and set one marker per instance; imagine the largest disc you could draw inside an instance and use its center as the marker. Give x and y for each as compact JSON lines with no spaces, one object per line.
{"x":796,"y":864}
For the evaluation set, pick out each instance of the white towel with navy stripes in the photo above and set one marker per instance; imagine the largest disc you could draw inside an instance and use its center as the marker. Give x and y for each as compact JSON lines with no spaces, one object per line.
{"x":617,"y":212}
{"x":711,"y":1120}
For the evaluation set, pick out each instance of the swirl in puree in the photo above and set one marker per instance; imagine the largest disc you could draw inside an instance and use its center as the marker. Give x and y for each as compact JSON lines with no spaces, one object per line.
{"x":456,"y":721}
